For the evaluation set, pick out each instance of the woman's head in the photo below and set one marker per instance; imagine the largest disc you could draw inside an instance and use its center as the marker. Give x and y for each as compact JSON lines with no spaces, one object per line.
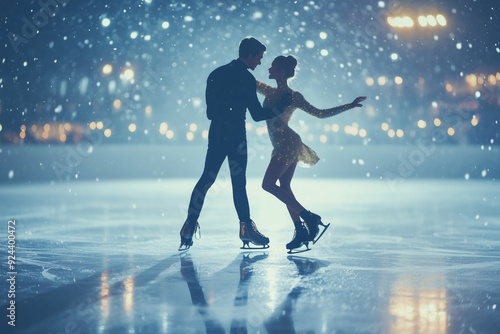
{"x":283,"y":67}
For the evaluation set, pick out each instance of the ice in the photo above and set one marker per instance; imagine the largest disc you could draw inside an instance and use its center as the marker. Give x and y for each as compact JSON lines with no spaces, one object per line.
{"x":409,"y":260}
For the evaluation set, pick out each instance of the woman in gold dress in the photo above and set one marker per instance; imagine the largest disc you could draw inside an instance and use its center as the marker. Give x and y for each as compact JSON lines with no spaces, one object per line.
{"x":288,"y":149}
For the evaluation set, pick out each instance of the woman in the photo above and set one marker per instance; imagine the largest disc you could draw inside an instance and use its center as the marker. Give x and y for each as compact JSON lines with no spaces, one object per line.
{"x":288,"y":149}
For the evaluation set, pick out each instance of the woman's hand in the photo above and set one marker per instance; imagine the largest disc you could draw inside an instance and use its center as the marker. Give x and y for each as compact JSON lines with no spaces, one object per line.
{"x":356,"y":102}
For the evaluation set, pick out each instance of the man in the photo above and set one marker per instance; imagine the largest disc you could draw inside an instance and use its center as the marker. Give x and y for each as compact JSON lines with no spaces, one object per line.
{"x":231,"y":90}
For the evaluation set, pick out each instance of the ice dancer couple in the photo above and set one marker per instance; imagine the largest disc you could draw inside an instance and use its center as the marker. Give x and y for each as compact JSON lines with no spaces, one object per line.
{"x":231,"y":90}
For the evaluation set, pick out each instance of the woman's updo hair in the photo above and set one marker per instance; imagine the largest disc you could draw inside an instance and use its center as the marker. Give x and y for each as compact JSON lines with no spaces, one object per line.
{"x":288,"y":64}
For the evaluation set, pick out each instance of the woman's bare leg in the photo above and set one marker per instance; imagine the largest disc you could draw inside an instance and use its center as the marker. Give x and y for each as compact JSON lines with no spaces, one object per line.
{"x":274,"y":172}
{"x":285,"y":181}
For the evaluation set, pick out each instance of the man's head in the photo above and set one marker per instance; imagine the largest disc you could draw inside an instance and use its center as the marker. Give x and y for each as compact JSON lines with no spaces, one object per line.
{"x":251,"y":52}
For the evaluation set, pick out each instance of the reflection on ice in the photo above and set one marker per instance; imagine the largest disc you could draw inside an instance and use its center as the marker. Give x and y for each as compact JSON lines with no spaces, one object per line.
{"x":420,"y":259}
{"x":421,"y":307}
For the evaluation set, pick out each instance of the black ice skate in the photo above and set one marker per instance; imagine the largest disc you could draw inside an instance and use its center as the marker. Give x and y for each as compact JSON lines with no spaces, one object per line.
{"x":313,"y":221}
{"x":249,"y":233}
{"x":187,"y":232}
{"x":300,"y":237}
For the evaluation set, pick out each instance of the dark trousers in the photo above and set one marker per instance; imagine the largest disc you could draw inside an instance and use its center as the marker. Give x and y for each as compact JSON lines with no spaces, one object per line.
{"x":221,"y":146}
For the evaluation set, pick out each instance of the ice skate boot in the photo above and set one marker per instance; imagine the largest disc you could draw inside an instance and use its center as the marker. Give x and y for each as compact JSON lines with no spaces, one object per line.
{"x":300,"y":237}
{"x":187,"y":232}
{"x":249,"y":233}
{"x":312,"y":222}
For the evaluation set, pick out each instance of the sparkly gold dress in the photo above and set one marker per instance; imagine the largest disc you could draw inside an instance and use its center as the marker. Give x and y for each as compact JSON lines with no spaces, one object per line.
{"x":287,"y":144}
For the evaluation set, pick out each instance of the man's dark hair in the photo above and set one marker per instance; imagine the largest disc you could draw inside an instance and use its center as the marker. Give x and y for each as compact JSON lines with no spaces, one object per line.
{"x":251,"y":46}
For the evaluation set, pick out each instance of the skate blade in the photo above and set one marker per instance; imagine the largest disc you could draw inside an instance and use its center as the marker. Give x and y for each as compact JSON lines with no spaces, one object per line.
{"x":325,"y":227}
{"x":299,"y":249}
{"x":296,"y":250}
{"x":184,"y":247}
{"x":248,"y":246}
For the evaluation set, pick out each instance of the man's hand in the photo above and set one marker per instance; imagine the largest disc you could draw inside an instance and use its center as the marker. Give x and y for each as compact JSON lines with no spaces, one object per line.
{"x":284,"y":101}
{"x":356,"y":102}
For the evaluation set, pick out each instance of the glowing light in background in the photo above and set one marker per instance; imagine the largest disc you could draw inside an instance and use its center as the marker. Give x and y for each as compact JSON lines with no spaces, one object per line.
{"x":437,"y":122}
{"x":370,"y":81}
{"x":441,"y":20}
{"x":492,"y":79}
{"x":421,"y":124}
{"x":117,"y":104}
{"x":165,"y":25}
{"x":400,"y":22}
{"x":451,"y":131}
{"x":128,"y":74}
{"x":107,"y":69}
{"x":148,"y":110}
{"x":106,"y":22}
{"x":99,"y":125}
{"x":132,"y":127}
{"x":107,"y":133}
{"x":384,"y":126}
{"x":398,"y":80}
{"x":431,"y":20}
{"x":170,"y":134}
{"x":422,"y":21}
{"x":189,"y":136}
{"x":193,"y":127}
{"x":382,"y":80}
{"x":163,"y":128}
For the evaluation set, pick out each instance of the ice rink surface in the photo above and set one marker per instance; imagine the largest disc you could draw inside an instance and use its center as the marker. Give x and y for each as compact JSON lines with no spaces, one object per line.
{"x":419,"y":256}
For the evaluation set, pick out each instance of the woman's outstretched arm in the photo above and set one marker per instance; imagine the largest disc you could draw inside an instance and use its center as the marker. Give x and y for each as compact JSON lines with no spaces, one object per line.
{"x":300,"y":102}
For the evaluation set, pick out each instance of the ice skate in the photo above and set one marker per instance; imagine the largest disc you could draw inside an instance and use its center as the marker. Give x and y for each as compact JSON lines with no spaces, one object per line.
{"x":249,"y":233}
{"x":187,"y":232}
{"x":312,"y":222}
{"x":300,"y":237}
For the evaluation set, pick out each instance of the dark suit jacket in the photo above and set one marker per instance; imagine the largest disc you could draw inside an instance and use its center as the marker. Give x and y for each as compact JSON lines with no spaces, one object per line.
{"x":231,"y":90}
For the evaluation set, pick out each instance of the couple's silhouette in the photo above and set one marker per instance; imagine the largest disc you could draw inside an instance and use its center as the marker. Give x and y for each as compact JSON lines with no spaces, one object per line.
{"x":231,"y":90}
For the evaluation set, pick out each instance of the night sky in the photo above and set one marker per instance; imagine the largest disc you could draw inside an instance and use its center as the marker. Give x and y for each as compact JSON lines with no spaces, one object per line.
{"x":56,"y":73}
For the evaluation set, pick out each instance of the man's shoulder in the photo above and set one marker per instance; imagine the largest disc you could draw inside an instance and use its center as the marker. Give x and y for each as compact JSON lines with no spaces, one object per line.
{"x":235,"y":66}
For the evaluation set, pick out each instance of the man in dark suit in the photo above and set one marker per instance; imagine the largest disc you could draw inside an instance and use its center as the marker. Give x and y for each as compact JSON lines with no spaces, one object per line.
{"x":231,"y":90}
